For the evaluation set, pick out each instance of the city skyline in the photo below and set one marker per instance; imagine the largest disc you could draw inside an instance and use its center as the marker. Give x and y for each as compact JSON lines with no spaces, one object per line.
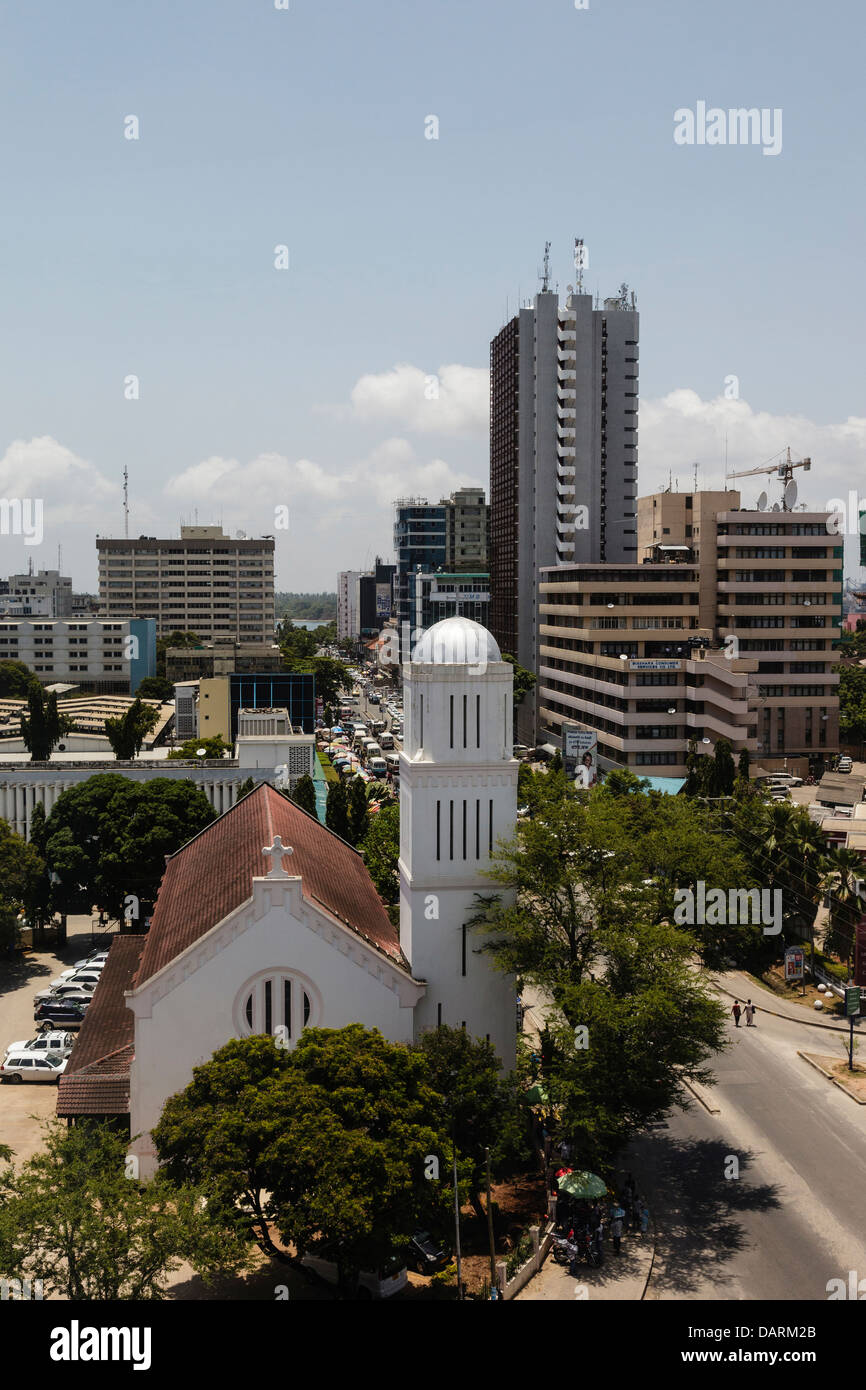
{"x":155,"y":257}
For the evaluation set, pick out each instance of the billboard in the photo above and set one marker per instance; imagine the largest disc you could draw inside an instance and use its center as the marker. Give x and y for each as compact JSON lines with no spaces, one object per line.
{"x":794,"y":963}
{"x":580,"y":754}
{"x":383,"y":600}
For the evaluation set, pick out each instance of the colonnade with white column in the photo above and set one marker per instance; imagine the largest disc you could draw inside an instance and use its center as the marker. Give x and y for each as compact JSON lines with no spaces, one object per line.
{"x":21,"y":791}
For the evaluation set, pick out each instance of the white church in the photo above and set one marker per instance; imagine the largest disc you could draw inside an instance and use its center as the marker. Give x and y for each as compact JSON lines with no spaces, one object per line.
{"x":267,"y":922}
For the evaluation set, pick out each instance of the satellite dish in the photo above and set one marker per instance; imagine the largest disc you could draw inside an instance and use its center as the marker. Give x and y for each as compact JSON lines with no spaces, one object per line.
{"x":790,"y":494}
{"x":762,"y":502}
{"x":777,"y":506}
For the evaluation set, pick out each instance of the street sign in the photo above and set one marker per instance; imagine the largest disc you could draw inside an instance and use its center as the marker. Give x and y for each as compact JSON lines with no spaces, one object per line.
{"x":794,"y":963}
{"x":852,"y":1001}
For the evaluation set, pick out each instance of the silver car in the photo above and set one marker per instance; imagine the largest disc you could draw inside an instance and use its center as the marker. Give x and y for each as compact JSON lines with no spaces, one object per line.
{"x":52,"y":1040}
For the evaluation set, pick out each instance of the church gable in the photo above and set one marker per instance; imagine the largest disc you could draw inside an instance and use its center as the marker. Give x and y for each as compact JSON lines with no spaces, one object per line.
{"x":212,"y":876}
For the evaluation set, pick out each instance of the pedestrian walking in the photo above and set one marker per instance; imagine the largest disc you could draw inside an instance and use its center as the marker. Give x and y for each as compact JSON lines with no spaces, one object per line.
{"x":616,"y":1219}
{"x":736,"y":1011}
{"x":644,"y":1218}
{"x":749,"y":1011}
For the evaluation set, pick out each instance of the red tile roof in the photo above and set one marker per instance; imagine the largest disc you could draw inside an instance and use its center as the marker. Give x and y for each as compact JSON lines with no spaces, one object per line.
{"x":212,"y":875}
{"x":96,"y":1080}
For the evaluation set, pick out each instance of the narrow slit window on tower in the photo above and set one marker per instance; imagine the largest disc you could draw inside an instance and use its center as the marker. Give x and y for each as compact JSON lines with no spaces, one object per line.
{"x":464,"y":827}
{"x":451,"y":724}
{"x":477,"y":828}
{"x":438,"y":828}
{"x":490,"y":829}
{"x":477,"y":721}
{"x":465,"y":717}
{"x":268,"y":1006}
{"x":450,"y":829}
{"x":287,"y":1007}
{"x":438,"y":1015}
{"x":421,"y":721}
{"x":463,"y":952}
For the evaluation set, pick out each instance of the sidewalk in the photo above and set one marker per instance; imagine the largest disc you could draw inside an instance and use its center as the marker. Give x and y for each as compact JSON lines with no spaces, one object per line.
{"x":621,"y":1279}
{"x":737,"y":985}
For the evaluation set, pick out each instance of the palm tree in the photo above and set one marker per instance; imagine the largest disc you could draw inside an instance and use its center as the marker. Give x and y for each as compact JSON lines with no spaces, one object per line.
{"x":844,"y":868}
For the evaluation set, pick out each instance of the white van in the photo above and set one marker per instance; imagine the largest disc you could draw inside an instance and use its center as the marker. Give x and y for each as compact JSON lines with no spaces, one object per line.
{"x":386,"y":740}
{"x":372,"y":750}
{"x":392,"y":763}
{"x":377,"y":766}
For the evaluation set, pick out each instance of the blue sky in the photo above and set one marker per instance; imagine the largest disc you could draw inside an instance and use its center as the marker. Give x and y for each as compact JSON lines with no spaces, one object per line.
{"x":260,"y":127}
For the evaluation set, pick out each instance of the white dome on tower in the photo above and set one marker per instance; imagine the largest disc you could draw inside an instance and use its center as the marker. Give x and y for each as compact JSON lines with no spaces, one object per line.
{"x":457,"y":642}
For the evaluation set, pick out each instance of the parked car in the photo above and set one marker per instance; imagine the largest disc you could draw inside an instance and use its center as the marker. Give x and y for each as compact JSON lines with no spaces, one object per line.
{"x":76,"y":977}
{"x":50,"y":1041}
{"x":68,"y":990}
{"x":844,"y":764}
{"x":59,"y":1013}
{"x":382,"y":1283}
{"x":426,"y":1255}
{"x":23,"y":1066}
{"x":95,"y":958}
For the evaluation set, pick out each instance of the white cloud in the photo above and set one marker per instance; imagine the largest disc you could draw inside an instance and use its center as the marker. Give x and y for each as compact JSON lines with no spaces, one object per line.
{"x":452,"y":400}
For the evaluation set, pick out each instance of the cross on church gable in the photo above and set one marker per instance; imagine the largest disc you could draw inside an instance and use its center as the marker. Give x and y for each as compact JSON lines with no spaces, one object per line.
{"x":275,"y":853}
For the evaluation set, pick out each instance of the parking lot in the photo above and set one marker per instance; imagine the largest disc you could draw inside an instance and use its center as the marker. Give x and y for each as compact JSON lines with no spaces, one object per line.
{"x":24,"y":1108}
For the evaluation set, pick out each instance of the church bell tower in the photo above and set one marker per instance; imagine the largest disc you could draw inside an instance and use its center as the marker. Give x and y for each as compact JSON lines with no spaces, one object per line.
{"x":458,"y":797}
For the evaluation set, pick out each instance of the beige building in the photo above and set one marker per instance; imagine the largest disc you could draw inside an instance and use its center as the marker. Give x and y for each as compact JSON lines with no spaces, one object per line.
{"x":772,"y":584}
{"x":623,"y":652}
{"x":220,"y":659}
{"x":204,"y":582}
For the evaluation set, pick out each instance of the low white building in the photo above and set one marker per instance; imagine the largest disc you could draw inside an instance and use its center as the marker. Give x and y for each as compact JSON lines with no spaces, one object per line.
{"x":266,"y":741}
{"x":98,"y":653}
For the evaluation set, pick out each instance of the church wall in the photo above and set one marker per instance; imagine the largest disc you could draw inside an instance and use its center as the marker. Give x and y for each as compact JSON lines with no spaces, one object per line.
{"x":185,"y":1026}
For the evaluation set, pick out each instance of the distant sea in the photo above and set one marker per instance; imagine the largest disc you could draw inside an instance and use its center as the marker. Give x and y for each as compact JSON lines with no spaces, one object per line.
{"x":310,"y":623}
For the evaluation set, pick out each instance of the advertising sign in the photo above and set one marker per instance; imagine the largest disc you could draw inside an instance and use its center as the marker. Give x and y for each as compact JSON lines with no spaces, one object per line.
{"x":653,"y":665}
{"x":580,"y":754}
{"x":794,"y":963}
{"x":383,"y":600}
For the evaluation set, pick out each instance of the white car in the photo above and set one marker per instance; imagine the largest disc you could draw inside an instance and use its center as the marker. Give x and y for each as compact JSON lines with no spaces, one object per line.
{"x":78,"y":977}
{"x":23,"y":1066}
{"x":53,"y":1040}
{"x":68,"y":990}
{"x":96,"y":958}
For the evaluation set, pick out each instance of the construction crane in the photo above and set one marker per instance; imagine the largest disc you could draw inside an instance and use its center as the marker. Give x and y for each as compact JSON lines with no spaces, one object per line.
{"x":785,"y":473}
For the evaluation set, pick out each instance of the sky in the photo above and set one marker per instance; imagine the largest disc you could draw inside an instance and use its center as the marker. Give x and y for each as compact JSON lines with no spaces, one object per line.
{"x":148,"y":318}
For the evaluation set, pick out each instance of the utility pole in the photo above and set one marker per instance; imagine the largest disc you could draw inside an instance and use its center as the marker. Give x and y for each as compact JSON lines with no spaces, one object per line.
{"x":490,"y":1235}
{"x":457,"y":1219}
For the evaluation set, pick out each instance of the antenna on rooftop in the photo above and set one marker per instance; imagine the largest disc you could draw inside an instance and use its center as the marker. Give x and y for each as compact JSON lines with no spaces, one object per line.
{"x":545,"y":278}
{"x":125,"y":502}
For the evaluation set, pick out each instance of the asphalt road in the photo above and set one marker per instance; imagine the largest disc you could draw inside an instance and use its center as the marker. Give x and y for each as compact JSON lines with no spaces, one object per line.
{"x":794,"y":1218}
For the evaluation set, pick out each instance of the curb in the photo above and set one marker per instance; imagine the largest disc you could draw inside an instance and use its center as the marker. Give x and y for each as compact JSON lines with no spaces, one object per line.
{"x":650,"y":1270}
{"x":806,"y":1058}
{"x":710,"y":1109}
{"x":809,"y":1022}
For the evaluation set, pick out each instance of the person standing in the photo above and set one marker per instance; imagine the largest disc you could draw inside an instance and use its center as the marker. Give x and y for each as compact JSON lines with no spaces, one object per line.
{"x":616,"y":1219}
{"x":749,"y":1011}
{"x":644,"y":1218}
{"x":736,"y":1012}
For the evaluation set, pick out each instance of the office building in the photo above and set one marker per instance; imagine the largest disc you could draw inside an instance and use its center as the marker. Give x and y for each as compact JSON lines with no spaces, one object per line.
{"x":44,"y":594}
{"x":563,"y":454}
{"x":724,"y":630}
{"x":96,"y":654}
{"x":204,"y":582}
{"x":348,"y":618}
{"x":221,"y":699}
{"x":219,"y":659}
{"x":450,"y":535}
{"x":443,"y":595}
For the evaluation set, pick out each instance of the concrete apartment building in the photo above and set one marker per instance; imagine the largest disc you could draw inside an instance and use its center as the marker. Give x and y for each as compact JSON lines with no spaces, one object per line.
{"x":563,"y":455}
{"x":731,"y":618}
{"x":102,"y":655}
{"x":364,"y":600}
{"x":46,"y":594}
{"x":348,"y":619}
{"x":450,"y":535}
{"x":623,"y":652}
{"x":773,"y":582}
{"x":204,"y":582}
{"x":219,"y":659}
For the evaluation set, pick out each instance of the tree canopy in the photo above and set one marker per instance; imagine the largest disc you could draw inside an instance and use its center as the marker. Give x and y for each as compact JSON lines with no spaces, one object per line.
{"x":43,"y":726}
{"x":128,"y":731}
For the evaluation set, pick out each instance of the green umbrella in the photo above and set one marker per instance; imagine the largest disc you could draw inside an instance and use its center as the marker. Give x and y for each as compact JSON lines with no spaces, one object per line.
{"x":582,"y":1185}
{"x":536,"y":1095}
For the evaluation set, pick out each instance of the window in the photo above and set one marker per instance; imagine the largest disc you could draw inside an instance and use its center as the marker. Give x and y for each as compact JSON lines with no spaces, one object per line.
{"x":277,"y":1003}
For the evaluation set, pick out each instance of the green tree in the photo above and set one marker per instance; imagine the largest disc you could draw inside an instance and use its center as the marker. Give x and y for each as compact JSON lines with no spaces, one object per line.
{"x":22,"y":883}
{"x":328,"y":1142}
{"x":743,"y":765}
{"x":128,"y":731}
{"x":852,"y":702}
{"x":43,"y":726}
{"x":108,"y":837}
{"x":381,"y":850}
{"x":215,"y":747}
{"x":248,"y":785}
{"x":304,"y":794}
{"x":524,"y":680}
{"x":337,"y":810}
{"x":297,"y":645}
{"x":357,"y":811}
{"x":843,"y":867}
{"x":479,"y":1105}
{"x":156,"y":688}
{"x":70,"y":1217}
{"x":16,"y":680}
